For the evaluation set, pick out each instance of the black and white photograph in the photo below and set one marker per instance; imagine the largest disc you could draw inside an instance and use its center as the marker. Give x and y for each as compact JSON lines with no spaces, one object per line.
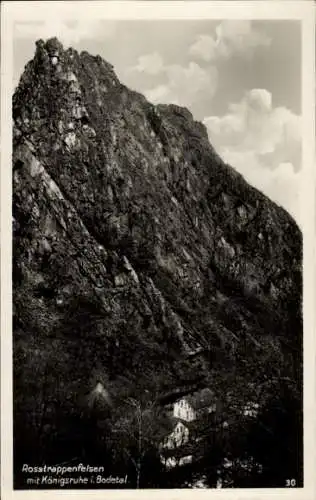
{"x":158,"y":221}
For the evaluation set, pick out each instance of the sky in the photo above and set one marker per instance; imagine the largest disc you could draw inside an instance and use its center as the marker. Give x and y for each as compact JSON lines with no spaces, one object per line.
{"x":241,"y":78}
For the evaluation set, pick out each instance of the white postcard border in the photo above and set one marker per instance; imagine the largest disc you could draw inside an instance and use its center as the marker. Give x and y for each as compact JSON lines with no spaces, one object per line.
{"x":128,"y":10}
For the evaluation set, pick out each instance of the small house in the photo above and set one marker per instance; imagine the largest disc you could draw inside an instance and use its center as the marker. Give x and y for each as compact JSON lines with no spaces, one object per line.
{"x":178,"y":437}
{"x":185,"y":414}
{"x":183,"y":410}
{"x":171,"y":462}
{"x":190,"y":407}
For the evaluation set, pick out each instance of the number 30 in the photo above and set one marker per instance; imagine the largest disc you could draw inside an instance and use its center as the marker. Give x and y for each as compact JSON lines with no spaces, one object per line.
{"x":290,"y":482}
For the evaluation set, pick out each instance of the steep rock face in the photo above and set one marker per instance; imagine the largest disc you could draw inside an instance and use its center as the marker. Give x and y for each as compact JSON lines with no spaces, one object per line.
{"x":136,"y":246}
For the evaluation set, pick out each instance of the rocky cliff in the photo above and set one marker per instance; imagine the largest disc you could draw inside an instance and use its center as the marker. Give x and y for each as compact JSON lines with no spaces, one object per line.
{"x":141,"y":259}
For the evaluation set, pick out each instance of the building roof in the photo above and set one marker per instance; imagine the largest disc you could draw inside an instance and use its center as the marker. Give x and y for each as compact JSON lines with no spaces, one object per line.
{"x":173,"y":396}
{"x":190,"y":424}
{"x":179,"y":451}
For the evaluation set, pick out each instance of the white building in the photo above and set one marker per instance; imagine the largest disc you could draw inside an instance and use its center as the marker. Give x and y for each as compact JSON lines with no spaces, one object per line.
{"x":178,"y":437}
{"x":183,"y":410}
{"x":171,"y":462}
{"x":190,"y":407}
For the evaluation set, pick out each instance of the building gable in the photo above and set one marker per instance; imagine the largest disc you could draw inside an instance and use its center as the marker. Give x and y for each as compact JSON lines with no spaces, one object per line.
{"x":183,"y":410}
{"x":178,"y":437}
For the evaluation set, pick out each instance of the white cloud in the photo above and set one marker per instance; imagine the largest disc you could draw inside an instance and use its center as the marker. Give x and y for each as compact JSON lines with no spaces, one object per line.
{"x":68,"y":33}
{"x":150,"y":63}
{"x":263,"y":143}
{"x":184,"y":85}
{"x":231,"y":37}
{"x":281,"y":184}
{"x":158,"y":94}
